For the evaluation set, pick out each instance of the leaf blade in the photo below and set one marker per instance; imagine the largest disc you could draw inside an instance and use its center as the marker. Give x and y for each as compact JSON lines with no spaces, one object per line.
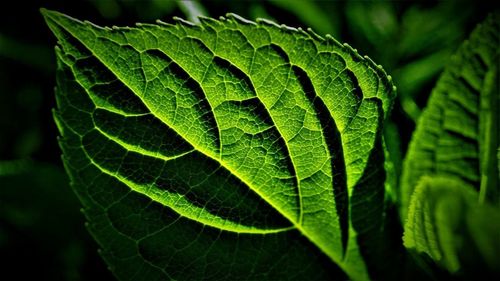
{"x":198,"y":68}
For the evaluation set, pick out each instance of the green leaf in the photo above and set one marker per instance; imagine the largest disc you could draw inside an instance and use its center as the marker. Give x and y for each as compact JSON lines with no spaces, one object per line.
{"x":446,"y":221}
{"x":225,"y":150}
{"x":457,"y":134}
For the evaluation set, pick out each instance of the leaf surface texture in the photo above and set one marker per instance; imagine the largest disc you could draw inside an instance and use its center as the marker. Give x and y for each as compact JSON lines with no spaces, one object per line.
{"x":229,"y":149}
{"x":450,"y":185}
{"x":457,"y":134}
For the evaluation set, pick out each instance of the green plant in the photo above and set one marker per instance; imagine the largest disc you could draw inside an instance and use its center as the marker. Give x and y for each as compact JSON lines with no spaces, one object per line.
{"x":234,"y":149}
{"x":450,"y":184}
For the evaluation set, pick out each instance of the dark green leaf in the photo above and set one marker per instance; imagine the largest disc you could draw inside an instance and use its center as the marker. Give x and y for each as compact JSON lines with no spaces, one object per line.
{"x":446,"y":221}
{"x":450,"y":191}
{"x":457,"y":134}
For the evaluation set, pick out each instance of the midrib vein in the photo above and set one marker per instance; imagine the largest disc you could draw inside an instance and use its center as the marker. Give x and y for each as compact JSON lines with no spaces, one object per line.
{"x":489,"y":104}
{"x":256,"y":92}
{"x":160,"y":197}
{"x":202,"y":150}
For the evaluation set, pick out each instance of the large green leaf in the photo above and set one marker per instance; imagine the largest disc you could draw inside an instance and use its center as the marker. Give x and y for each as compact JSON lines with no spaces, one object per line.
{"x":457,"y":134}
{"x":227,"y":150}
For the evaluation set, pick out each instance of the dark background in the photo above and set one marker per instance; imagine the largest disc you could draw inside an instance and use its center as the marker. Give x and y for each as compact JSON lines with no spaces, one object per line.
{"x":42,"y":232}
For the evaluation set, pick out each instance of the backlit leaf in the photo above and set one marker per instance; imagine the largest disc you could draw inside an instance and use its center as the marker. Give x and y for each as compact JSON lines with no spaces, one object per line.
{"x":226,"y":150}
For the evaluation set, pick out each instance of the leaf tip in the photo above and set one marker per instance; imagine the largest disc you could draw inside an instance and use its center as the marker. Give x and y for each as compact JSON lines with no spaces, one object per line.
{"x":55,"y":17}
{"x":49,"y":17}
{"x":60,"y":23}
{"x":46,"y":13}
{"x":43,"y":11}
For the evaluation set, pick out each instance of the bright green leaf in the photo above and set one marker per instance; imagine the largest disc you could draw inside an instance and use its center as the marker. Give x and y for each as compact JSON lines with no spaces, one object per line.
{"x":227,"y":150}
{"x":457,"y":134}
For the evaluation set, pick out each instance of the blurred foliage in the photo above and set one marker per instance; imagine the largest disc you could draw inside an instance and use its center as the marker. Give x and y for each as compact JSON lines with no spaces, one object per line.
{"x":39,"y":220}
{"x":41,"y":226}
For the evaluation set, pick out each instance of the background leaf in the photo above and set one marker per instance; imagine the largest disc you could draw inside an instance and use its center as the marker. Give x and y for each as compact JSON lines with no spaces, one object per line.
{"x":450,"y":179}
{"x":446,"y":222}
{"x":457,"y":134}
